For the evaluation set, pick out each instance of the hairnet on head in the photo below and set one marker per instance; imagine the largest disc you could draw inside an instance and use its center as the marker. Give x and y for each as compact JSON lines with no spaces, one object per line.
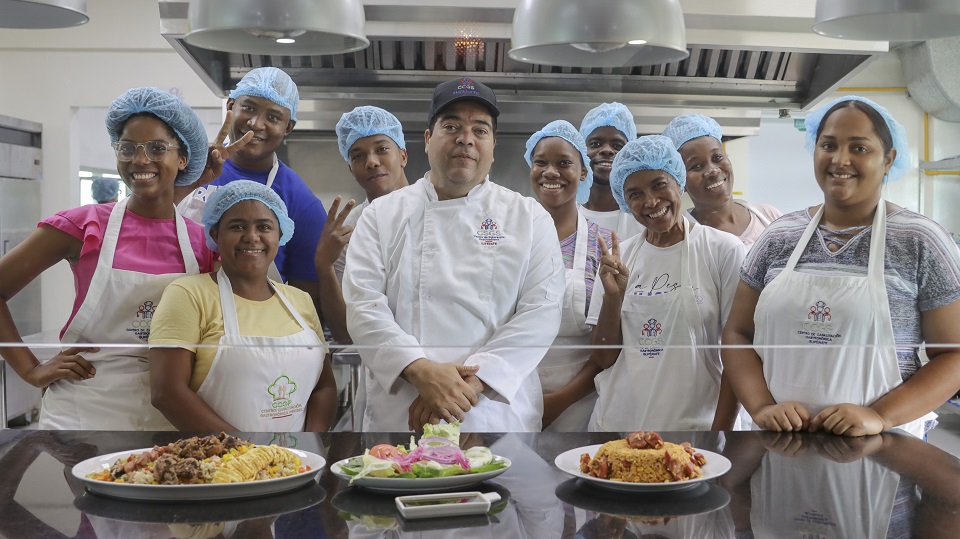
{"x":615,"y":115}
{"x":174,"y":112}
{"x":690,"y":126}
{"x":901,"y":164}
{"x":565,"y":130}
{"x":364,"y":122}
{"x":651,"y":152}
{"x":224,"y":198}
{"x":270,"y":83}
{"x":104,"y":189}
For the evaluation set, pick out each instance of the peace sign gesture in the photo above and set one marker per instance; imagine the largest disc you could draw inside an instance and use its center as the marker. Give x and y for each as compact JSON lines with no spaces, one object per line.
{"x":613,"y":272}
{"x":218,"y":153}
{"x":335,"y":235}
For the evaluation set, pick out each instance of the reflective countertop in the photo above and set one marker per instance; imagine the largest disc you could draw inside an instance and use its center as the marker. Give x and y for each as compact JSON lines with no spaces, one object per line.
{"x":779,"y":485}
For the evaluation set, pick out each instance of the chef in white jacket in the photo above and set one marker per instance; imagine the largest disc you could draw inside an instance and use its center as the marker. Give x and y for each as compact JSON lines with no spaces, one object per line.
{"x":454,"y":287}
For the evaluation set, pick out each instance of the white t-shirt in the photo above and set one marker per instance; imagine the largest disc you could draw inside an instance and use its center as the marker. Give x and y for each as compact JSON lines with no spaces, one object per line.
{"x":624,"y":224}
{"x":715,"y":258}
{"x":351,"y":220}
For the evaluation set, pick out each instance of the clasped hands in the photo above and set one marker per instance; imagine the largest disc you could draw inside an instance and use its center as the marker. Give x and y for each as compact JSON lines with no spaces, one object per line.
{"x":447,"y":391}
{"x":840,"y":419}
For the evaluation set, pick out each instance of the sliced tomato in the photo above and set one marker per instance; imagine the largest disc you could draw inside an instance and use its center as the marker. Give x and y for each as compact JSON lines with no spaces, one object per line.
{"x":387,"y":451}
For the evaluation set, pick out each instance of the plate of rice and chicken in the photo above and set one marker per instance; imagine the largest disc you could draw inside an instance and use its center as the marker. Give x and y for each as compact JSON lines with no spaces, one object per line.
{"x":642,"y":462}
{"x":199,"y":468}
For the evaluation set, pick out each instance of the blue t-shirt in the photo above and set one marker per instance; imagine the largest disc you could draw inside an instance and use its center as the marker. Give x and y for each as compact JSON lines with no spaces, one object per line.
{"x":295,"y":259}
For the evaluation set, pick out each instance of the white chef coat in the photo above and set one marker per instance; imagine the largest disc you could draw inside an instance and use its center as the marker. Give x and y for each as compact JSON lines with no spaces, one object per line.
{"x":624,"y":224}
{"x":475,"y":280}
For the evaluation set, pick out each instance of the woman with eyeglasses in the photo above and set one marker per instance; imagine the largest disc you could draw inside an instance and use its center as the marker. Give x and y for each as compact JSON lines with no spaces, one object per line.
{"x":122,"y":256}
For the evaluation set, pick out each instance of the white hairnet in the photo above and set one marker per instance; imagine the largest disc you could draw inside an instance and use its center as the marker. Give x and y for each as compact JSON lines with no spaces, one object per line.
{"x":565,"y":130}
{"x":690,"y":126}
{"x":651,"y":152}
{"x":270,"y":83}
{"x":367,"y":121}
{"x":901,"y":163}
{"x":104,"y":189}
{"x":225,"y":196}
{"x":615,"y":115}
{"x":174,"y":112}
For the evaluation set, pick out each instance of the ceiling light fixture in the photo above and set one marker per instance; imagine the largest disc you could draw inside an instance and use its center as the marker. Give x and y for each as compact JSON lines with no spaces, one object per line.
{"x":38,"y":14}
{"x":278,"y":27}
{"x":599,"y":33}
{"x":888,"y":20}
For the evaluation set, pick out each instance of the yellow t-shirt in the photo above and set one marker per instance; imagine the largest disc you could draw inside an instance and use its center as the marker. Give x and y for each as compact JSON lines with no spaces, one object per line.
{"x":189,"y":313}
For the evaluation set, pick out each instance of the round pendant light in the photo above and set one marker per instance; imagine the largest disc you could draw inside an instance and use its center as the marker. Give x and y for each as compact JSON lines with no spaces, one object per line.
{"x":598,"y":33}
{"x":278,"y":27}
{"x":888,"y":20}
{"x":37,"y":14}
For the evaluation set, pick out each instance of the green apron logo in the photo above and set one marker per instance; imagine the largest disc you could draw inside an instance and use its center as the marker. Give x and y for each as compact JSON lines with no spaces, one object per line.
{"x":280,"y":390}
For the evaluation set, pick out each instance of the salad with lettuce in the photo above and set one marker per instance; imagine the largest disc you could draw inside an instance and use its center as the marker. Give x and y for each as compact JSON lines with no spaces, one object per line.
{"x":437,"y":454}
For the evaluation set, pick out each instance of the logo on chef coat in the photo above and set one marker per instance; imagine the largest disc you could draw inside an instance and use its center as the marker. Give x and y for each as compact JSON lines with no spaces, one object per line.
{"x":489,"y":234}
{"x":140,"y":325}
{"x":818,"y":325}
{"x":651,"y":338}
{"x":282,"y":405}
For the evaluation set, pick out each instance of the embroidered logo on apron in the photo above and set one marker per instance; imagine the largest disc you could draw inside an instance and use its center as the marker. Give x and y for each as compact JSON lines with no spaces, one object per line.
{"x":818,"y":327}
{"x":489,"y":234}
{"x":651,"y":338}
{"x":282,"y":406}
{"x":140,"y":325}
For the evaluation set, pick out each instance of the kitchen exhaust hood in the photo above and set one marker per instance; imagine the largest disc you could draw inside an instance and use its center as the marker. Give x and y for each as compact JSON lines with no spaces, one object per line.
{"x":745,"y":57}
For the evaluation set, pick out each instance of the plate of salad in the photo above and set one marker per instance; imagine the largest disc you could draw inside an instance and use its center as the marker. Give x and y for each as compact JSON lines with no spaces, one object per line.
{"x":432,"y":464}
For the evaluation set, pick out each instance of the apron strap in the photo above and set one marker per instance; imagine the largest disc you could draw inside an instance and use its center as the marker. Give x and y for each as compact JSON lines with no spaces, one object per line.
{"x":231,"y":322}
{"x":273,"y":171}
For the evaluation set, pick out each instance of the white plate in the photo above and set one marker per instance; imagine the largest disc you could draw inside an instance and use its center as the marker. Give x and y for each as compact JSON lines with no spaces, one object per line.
{"x":569,"y":461}
{"x":219,"y":491}
{"x":392,"y":485}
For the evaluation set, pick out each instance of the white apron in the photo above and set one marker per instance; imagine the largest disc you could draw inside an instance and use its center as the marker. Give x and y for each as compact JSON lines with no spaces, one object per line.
{"x":661,"y":381}
{"x":560,"y":365}
{"x":117,"y":309}
{"x":810,"y":496}
{"x":192,"y":205}
{"x":806,"y":311}
{"x":262,"y":384}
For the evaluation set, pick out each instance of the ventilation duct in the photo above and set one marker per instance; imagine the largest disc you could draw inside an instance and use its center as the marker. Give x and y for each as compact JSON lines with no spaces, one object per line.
{"x":932,"y":73}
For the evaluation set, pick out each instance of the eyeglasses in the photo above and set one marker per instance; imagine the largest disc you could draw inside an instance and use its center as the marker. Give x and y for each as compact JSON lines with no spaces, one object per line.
{"x":155,"y":150}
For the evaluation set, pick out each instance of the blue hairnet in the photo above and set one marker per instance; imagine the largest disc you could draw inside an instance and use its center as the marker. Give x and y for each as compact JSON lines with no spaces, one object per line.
{"x":690,"y":126}
{"x":609,"y":114}
{"x":901,"y":164}
{"x":224,"y":197}
{"x":364,"y":122}
{"x":270,"y":83}
{"x":104,"y":189}
{"x":651,"y":152}
{"x":174,"y":112}
{"x":569,"y":133}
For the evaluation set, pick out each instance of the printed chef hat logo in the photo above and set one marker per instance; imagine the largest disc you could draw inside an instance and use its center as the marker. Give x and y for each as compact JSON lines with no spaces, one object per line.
{"x":652,"y":328}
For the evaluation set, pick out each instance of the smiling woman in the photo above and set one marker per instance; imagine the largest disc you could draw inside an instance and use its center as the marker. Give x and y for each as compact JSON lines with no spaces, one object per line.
{"x":666,"y":296}
{"x":119,"y":277}
{"x":268,"y":372}
{"x":836,"y":276}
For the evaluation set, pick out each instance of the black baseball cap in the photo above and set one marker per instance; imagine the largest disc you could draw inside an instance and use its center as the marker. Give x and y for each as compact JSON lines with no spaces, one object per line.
{"x":462,"y":89}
